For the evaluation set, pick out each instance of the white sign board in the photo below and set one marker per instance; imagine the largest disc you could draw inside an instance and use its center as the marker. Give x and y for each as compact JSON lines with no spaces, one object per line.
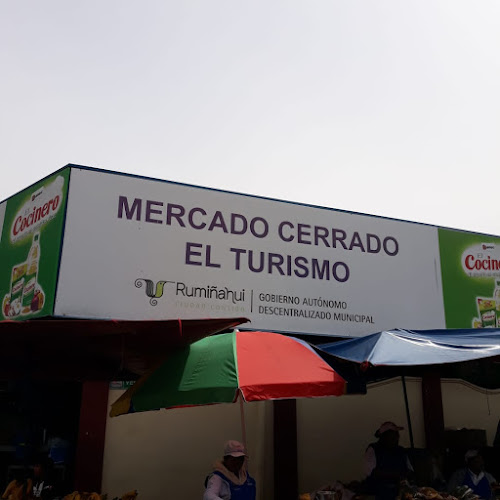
{"x":3,"y":206}
{"x":137,"y":248}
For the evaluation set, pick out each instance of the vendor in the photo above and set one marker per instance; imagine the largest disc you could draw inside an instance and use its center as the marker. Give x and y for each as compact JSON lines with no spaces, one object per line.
{"x":44,"y":485}
{"x":385,"y":463}
{"x":230,"y":479}
{"x":473,"y":475}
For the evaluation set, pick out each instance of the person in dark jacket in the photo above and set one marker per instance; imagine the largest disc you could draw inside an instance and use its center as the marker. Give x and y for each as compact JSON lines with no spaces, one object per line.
{"x":44,"y":484}
{"x":386,"y":463}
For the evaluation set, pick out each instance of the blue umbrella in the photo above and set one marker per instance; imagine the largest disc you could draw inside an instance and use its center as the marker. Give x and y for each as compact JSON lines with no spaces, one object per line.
{"x":418,"y":347}
{"x":399,"y":352}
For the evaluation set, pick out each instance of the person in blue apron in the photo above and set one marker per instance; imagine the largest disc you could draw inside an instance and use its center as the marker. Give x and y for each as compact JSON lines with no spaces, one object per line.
{"x":473,"y":475}
{"x":229,"y":479}
{"x":386,"y":463}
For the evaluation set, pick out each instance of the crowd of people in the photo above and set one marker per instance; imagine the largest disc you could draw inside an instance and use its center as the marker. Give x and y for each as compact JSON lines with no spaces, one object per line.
{"x":386,"y":465}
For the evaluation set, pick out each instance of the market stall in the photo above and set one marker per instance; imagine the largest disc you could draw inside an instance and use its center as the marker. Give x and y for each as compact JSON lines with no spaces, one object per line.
{"x":452,"y":353}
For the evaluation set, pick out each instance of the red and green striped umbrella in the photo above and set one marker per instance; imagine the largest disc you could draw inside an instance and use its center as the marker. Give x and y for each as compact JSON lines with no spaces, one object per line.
{"x":259,"y":365}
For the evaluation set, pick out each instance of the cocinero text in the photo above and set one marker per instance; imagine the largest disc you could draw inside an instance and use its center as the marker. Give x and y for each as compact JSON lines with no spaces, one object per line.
{"x":487,"y":264}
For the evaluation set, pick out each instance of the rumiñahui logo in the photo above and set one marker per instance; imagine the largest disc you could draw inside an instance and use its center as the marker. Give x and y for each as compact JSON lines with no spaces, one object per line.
{"x":155,"y":290}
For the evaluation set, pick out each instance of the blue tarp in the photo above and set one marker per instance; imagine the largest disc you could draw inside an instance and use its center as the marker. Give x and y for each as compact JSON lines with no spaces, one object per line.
{"x":417,"y":347}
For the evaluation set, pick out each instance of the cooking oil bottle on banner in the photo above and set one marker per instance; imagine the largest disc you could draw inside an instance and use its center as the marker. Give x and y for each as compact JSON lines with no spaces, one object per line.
{"x":496,"y":296}
{"x":16,"y":290}
{"x":31,"y":274}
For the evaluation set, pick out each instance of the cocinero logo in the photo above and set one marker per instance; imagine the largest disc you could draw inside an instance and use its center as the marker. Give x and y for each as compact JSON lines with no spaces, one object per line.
{"x":37,"y":214}
{"x":481,"y":264}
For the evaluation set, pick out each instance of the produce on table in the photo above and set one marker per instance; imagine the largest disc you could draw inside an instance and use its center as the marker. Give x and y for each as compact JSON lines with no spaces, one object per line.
{"x":410,"y":492}
{"x":84,"y":495}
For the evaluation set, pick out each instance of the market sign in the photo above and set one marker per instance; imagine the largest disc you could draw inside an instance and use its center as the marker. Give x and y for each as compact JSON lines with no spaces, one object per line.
{"x":31,"y":225}
{"x":138,"y":248}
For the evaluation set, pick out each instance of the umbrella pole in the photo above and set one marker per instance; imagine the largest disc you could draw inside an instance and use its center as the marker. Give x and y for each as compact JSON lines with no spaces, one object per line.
{"x":408,"y":417}
{"x":243,"y":425}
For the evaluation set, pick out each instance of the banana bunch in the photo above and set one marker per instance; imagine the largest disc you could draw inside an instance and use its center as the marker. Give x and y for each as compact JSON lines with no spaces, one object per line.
{"x":73,"y":496}
{"x":131,"y":495}
{"x":83,"y":495}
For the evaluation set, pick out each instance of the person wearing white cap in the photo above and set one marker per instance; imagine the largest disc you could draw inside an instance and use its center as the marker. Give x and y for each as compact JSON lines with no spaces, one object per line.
{"x":385,"y":463}
{"x":473,"y":475}
{"x":230,"y":479}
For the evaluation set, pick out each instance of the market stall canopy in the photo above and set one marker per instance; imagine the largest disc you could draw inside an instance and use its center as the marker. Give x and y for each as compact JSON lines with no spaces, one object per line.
{"x":418,"y":347}
{"x":399,"y":351}
{"x":96,"y":349}
{"x":258,"y":365}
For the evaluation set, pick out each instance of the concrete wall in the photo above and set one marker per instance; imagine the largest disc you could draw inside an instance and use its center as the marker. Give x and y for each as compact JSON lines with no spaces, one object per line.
{"x":167,"y":454}
{"x":334,"y":432}
{"x":466,"y":405}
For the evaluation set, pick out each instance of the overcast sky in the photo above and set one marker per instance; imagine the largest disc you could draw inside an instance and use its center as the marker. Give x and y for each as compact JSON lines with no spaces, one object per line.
{"x":387,"y":107}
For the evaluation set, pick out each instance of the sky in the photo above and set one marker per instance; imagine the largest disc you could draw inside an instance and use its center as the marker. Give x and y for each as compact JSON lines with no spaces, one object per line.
{"x":383,"y":107}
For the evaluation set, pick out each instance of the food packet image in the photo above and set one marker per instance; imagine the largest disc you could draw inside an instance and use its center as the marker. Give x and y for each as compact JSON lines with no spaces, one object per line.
{"x":477,"y":323}
{"x":496,"y":295}
{"x":487,"y":312}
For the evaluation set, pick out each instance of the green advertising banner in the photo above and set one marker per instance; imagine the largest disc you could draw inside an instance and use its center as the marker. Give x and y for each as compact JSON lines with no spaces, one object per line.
{"x":470,"y":267}
{"x":30,"y":243}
